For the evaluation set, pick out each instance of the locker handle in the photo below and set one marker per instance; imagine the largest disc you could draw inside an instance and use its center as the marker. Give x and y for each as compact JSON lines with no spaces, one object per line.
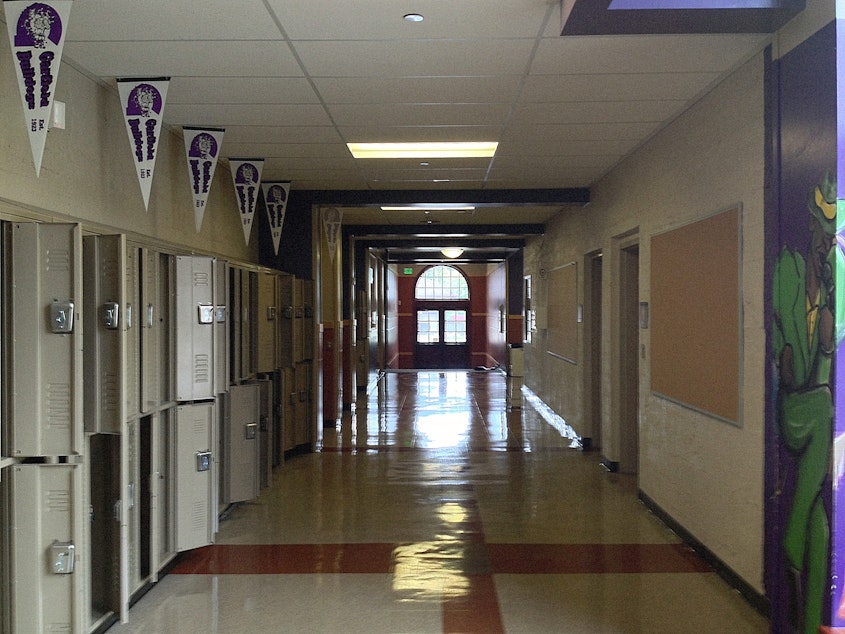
{"x":251,"y":431}
{"x":150,"y":315}
{"x":271,"y":313}
{"x":111,"y":315}
{"x":61,"y":316}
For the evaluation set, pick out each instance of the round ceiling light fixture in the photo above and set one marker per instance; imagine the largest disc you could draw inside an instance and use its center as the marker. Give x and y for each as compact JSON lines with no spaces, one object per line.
{"x":452,"y":252}
{"x":413,"y":17}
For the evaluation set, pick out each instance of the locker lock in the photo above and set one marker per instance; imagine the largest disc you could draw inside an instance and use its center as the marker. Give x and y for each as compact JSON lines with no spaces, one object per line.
{"x":61,"y":316}
{"x":62,"y":555}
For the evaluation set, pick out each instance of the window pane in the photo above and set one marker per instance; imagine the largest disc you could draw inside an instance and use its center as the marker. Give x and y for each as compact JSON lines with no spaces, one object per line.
{"x":455,"y":326}
{"x":428,"y":326}
{"x":442,"y":282}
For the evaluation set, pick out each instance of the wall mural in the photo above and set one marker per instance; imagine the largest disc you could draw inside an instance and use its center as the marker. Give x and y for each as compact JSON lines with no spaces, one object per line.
{"x":800,"y":579}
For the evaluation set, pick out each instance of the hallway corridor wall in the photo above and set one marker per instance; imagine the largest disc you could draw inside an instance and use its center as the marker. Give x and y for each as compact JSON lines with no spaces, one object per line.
{"x":88,"y":174}
{"x":705,"y":473}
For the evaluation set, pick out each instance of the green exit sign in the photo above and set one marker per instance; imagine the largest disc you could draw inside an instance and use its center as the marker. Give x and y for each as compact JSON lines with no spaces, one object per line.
{"x":408,"y":270}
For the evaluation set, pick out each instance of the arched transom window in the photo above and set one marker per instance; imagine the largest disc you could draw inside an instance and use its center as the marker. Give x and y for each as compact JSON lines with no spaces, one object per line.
{"x":441,"y":283}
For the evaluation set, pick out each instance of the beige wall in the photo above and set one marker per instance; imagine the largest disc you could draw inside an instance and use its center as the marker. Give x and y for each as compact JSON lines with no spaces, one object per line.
{"x":707,"y":474}
{"x":88,"y":174}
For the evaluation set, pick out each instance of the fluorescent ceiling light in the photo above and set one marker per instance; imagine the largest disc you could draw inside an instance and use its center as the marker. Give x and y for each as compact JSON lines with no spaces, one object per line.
{"x":431,"y":207}
{"x":484,"y":149}
{"x":452,"y":252}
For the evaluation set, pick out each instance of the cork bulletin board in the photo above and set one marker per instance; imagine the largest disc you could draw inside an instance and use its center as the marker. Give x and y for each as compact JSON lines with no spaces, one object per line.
{"x":562,"y":311}
{"x":695,"y":315}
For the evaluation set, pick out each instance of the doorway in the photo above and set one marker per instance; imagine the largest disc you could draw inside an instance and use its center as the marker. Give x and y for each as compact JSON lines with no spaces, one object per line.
{"x":592,"y":352}
{"x":629,"y":366}
{"x":441,"y":319}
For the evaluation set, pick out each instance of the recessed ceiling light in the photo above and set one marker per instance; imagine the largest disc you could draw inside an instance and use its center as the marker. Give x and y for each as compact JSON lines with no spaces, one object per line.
{"x":413,"y":17}
{"x":429,"y":208}
{"x":482,"y":149}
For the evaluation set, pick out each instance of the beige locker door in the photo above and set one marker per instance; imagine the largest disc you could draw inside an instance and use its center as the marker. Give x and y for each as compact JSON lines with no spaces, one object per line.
{"x":290,"y":398}
{"x":47,"y":589}
{"x":266,"y":317}
{"x":307,"y":320}
{"x":195,"y":472}
{"x":132,"y":372}
{"x":194,"y":328}
{"x":104,"y":266}
{"x":235,"y":316}
{"x":249,"y":323}
{"x":241,"y":436}
{"x":46,"y":348}
{"x":162,"y":487}
{"x":149,"y":327}
{"x":221,"y":326}
{"x":286,"y":320}
{"x":266,"y":425}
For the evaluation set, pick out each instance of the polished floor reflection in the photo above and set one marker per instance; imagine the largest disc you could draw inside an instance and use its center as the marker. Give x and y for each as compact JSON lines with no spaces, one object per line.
{"x":434,"y":507}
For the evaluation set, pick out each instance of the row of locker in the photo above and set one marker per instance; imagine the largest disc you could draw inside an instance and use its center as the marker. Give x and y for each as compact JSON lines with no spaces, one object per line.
{"x":143,"y":392}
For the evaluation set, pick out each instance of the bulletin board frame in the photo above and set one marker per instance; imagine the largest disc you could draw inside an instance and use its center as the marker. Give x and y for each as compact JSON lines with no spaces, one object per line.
{"x":562,"y":312}
{"x":696,"y":314}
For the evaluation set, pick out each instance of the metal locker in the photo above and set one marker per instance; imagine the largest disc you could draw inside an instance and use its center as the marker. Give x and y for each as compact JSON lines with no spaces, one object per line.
{"x":196,"y":466}
{"x":235,"y":316}
{"x":132,"y":371}
{"x":249,"y":323}
{"x":46,"y":340}
{"x":194,"y":328}
{"x":221,"y":326}
{"x":149,"y":328}
{"x":241,"y":439}
{"x":307,"y":320}
{"x":302,"y":407}
{"x":286,"y":320}
{"x":162,"y":492}
{"x":104,"y":316}
{"x":266,"y":428}
{"x":266,"y":318}
{"x":298,"y":320}
{"x":289,"y":408}
{"x":46,"y":526}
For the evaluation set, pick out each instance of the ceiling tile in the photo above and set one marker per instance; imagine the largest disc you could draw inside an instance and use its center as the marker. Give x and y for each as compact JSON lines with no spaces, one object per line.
{"x":246,"y":114}
{"x":215,"y":58}
{"x":415,"y":58}
{"x":364,"y":115}
{"x":616,"y":87}
{"x":382,"y":19}
{"x":246,"y":90}
{"x":595,"y":111}
{"x":157,"y":20}
{"x":387,"y":90}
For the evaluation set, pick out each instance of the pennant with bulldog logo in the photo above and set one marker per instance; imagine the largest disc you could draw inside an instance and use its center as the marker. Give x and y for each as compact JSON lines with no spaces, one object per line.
{"x":202,"y":148}
{"x":276,"y":201}
{"x":37,"y":35}
{"x":332,"y":220}
{"x":142,"y":102}
{"x":246,"y":176}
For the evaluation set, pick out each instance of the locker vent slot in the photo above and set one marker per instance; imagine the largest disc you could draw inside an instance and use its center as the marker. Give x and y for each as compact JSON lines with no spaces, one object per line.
{"x":111,"y":394}
{"x":202,"y":368}
{"x":201,"y":278}
{"x":199,"y":516}
{"x":58,"y":260}
{"x":57,"y":501}
{"x":58,"y":405}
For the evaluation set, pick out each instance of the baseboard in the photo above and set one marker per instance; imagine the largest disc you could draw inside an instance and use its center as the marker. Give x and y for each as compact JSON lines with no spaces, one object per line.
{"x":758,"y":601}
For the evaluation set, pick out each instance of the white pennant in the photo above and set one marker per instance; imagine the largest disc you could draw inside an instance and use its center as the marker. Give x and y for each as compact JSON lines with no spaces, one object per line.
{"x":246,"y":176}
{"x":202,"y":149}
{"x":276,"y":202}
{"x":332,"y":220}
{"x":142,"y":102}
{"x":37,"y":35}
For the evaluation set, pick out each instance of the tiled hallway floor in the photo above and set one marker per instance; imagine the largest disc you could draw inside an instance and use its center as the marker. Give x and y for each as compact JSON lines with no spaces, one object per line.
{"x":432,"y":508}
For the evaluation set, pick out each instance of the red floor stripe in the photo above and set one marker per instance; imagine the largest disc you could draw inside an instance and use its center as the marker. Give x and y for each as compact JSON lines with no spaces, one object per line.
{"x":477,"y":611}
{"x":467,"y":556}
{"x":592,"y":558}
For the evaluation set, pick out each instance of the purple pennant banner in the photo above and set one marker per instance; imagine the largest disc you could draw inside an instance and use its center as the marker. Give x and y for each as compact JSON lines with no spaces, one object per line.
{"x":246,"y":176}
{"x":142,"y":102}
{"x":202,"y":149}
{"x":276,"y":202}
{"x":37,"y":36}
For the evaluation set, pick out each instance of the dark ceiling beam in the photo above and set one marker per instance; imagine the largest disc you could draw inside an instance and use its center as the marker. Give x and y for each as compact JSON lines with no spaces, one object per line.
{"x":478,"y":197}
{"x":415,"y":232}
{"x":637,"y":17}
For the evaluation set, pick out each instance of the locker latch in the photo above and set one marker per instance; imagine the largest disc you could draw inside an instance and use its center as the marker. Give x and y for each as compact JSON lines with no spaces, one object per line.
{"x":271,"y":313}
{"x":61,"y":316}
{"x":111,"y":315}
{"x":250,"y":431}
{"x":203,"y":460}
{"x":205,"y":313}
{"x":220,"y":314}
{"x":62,"y":555}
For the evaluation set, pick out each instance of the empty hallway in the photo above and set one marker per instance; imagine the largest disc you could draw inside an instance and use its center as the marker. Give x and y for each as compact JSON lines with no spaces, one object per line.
{"x":435,"y":508}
